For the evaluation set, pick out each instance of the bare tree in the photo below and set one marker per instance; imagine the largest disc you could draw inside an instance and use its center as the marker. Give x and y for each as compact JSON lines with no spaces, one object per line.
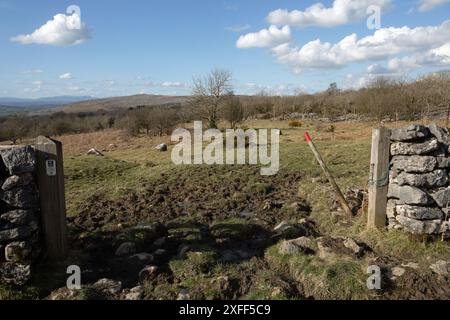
{"x":210,"y":93}
{"x":233,"y":111}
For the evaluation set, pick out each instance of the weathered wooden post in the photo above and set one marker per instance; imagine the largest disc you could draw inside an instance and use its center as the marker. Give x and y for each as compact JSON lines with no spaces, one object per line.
{"x":379,"y":177}
{"x":334,"y":185}
{"x":50,"y":179}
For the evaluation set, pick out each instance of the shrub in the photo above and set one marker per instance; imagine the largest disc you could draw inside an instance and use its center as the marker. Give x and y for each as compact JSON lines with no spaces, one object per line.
{"x":295,"y":124}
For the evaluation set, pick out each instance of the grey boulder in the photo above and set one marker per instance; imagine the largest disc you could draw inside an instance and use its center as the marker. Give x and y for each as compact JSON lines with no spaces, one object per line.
{"x":24,"y":198}
{"x":438,"y":178}
{"x":412,"y":132}
{"x":406,"y":148}
{"x":15,"y":218}
{"x":419,"y":213}
{"x":442,"y":197}
{"x":19,"y":160}
{"x":17,"y":181}
{"x":14,"y":234}
{"x":420,"y":227}
{"x":408,"y":195}
{"x":441,"y":134}
{"x":414,"y":164}
{"x":15,"y":273}
{"x":17,"y":251}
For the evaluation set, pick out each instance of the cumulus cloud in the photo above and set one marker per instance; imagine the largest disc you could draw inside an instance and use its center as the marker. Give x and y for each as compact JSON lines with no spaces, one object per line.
{"x":384,"y":43}
{"x":66,"y":76}
{"x":59,"y":31}
{"x":341,"y":12}
{"x":427,"y":5}
{"x":265,"y":38}
{"x":238,"y":28}
{"x":437,"y":57}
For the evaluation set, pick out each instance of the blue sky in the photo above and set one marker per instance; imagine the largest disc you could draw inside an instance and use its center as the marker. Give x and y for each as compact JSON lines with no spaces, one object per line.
{"x":156,"y":47}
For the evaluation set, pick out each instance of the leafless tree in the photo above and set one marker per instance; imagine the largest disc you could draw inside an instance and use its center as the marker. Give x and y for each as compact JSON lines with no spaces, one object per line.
{"x":210,"y":93}
{"x":233,"y":112}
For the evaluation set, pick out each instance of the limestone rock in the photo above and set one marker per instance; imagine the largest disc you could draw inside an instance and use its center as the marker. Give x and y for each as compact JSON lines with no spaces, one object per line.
{"x":108,"y":286}
{"x":184,"y":295}
{"x":442,"y":197}
{"x":24,"y":198}
{"x":14,"y":234}
{"x":412,"y":132}
{"x":125,"y":249}
{"x":17,"y":181}
{"x":435,"y":179}
{"x":406,"y":148}
{"x":443,"y":162}
{"x":419,"y":213}
{"x":17,"y":251}
{"x":19,"y":160}
{"x":15,"y":273}
{"x":408,"y":195}
{"x":148,"y":273}
{"x":414,"y":164}
{"x":353,"y":246}
{"x":94,"y":152}
{"x":142,"y":257}
{"x":17,"y":217}
{"x":441,"y":268}
{"x":391,"y":208}
{"x":420,"y":227}
{"x":162,"y":147}
{"x":296,"y":246}
{"x":396,"y":272}
{"x":288,"y":231}
{"x":135,"y":293}
{"x":441,"y":134}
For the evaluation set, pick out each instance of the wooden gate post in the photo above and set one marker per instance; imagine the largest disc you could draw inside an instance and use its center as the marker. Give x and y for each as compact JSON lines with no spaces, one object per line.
{"x":50,"y":179}
{"x":379,"y":177}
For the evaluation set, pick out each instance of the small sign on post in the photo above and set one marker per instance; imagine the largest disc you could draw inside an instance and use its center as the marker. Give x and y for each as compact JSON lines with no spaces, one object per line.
{"x":50,"y":179}
{"x":379,"y":177}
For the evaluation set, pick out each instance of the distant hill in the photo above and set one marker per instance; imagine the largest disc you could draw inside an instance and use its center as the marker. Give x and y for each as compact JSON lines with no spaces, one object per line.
{"x":72,"y":104}
{"x":41,"y":102}
{"x":117,"y":103}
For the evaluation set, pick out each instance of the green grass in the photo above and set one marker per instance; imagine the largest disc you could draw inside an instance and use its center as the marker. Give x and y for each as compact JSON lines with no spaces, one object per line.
{"x":122,"y":171}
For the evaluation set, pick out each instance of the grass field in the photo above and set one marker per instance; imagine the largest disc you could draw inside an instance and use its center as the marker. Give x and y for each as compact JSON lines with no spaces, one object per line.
{"x":134,"y":182}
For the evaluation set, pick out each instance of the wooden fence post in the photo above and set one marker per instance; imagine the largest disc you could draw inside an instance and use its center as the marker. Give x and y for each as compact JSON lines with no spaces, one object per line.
{"x":50,"y":179}
{"x":379,"y":177}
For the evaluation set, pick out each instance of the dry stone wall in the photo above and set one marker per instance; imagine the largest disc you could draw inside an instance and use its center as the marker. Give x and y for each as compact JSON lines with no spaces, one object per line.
{"x":19,"y":214}
{"x":419,"y":180}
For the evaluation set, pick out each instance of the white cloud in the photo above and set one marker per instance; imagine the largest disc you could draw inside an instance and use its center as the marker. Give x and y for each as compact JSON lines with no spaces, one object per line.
{"x":341,"y":12}
{"x":427,"y":5}
{"x":57,"y":32}
{"x":167,"y":84}
{"x":170,"y":84}
{"x":32,"y":71}
{"x":36,"y":86}
{"x":66,"y":76}
{"x":437,"y":57}
{"x":384,"y":43}
{"x":238,"y":28}
{"x":265,"y":38}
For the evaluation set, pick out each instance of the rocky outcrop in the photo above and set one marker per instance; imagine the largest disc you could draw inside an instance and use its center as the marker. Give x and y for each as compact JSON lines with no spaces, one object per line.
{"x":19,"y":215}
{"x":419,"y":192}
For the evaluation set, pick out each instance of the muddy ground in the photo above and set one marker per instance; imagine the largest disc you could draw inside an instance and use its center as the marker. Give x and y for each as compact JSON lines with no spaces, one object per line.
{"x":208,"y":233}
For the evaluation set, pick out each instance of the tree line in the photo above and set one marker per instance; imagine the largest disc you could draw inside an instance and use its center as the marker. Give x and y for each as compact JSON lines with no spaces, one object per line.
{"x":213,"y":100}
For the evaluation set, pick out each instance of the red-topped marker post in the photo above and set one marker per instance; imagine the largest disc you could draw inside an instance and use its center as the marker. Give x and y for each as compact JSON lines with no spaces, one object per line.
{"x":329,"y":176}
